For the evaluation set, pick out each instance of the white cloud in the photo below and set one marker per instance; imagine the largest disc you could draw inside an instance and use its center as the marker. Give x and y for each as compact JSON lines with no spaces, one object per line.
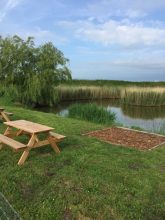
{"x":7,"y":6}
{"x":123,"y":7}
{"x":123,"y":33}
{"x":135,"y":13}
{"x":40,"y":35}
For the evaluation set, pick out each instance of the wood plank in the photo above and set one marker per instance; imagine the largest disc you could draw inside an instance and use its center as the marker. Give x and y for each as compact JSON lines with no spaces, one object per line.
{"x":23,"y":157}
{"x":8,"y":113}
{"x":57,"y":136}
{"x":29,"y":126}
{"x":5,"y":116}
{"x":9,"y":132}
{"x":41,"y":143}
{"x":26,"y":151}
{"x":53,"y":145}
{"x":12,"y":143}
{"x":20,"y":132}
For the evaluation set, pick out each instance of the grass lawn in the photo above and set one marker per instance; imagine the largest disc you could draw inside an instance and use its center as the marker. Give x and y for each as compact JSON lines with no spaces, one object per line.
{"x":90,"y":179}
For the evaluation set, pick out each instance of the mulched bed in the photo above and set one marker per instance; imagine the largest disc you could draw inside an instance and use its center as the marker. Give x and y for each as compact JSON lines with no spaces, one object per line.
{"x":129,"y":137}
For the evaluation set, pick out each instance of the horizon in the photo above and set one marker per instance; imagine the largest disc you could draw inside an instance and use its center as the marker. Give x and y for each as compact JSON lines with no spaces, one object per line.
{"x":104,"y":40}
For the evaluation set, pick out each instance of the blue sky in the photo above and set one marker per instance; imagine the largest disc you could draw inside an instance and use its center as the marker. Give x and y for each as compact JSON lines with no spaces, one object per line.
{"x":104,"y":39}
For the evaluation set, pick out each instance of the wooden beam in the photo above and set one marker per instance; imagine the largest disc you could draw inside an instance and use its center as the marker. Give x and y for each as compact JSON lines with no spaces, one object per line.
{"x":26,"y":151}
{"x":53,"y":145}
{"x":41,"y":143}
{"x":20,"y":132}
{"x":5,"y":116}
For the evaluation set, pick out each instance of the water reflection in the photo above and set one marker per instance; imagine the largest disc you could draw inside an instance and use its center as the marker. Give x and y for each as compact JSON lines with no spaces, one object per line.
{"x":148,"y":118}
{"x":143,"y":112}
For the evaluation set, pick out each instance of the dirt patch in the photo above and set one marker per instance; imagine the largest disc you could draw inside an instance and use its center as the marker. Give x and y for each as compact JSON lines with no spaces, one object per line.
{"x":26,"y":190}
{"x":162,"y":168}
{"x":129,"y":137}
{"x":49,"y":173}
{"x":67,"y":214}
{"x":135,"y":166}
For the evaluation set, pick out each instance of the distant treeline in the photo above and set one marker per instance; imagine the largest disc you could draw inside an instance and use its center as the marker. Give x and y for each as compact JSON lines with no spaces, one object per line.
{"x":115,"y":83}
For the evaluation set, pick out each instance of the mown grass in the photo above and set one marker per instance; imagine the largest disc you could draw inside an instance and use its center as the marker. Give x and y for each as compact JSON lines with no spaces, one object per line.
{"x":92,"y":112}
{"x":90,"y":179}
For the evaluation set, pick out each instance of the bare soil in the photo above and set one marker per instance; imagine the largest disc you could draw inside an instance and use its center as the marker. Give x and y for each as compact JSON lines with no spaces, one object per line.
{"x":129,"y":137}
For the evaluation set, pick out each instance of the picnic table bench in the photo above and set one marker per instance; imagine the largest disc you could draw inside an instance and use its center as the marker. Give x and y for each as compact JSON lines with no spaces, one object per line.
{"x":4,"y":115}
{"x":32,"y":130}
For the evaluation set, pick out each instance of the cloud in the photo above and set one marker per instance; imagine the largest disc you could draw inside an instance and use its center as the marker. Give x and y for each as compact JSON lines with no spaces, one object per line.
{"x":124,"y":33}
{"x":41,"y":35}
{"x":7,"y":6}
{"x":123,"y":7}
{"x":106,"y":9}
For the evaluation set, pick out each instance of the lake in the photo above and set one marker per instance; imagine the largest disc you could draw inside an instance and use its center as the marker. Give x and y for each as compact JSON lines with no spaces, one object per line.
{"x":148,"y":118}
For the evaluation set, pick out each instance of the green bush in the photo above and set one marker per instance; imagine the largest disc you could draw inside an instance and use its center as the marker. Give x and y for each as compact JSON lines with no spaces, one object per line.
{"x":92,"y":112}
{"x":29,"y":73}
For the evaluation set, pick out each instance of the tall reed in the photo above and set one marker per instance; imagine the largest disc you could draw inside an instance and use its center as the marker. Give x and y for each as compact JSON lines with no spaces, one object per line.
{"x":87,"y":92}
{"x":141,"y":96}
{"x":144,"y":96}
{"x":92,"y":112}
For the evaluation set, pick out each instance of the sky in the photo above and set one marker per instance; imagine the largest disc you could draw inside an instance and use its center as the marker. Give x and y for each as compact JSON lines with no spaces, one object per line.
{"x":103,"y":39}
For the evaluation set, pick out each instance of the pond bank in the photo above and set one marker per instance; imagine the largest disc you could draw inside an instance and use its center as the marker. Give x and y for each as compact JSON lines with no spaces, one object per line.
{"x":151,"y":119}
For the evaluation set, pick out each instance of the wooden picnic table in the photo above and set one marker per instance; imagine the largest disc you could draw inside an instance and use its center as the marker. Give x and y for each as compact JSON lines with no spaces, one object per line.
{"x":32,"y":130}
{"x":4,"y":115}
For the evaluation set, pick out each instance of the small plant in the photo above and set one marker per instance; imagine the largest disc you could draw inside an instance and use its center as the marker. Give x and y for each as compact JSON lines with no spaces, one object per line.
{"x":92,"y":112}
{"x":137,"y":128}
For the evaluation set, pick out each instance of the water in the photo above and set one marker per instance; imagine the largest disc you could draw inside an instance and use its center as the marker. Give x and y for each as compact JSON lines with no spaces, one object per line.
{"x":148,"y":118}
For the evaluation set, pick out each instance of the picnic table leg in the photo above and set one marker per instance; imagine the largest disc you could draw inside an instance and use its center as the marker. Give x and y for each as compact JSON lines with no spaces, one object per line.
{"x":8,"y":132}
{"x":53,"y":144}
{"x":26,"y":151}
{"x":5,"y":116}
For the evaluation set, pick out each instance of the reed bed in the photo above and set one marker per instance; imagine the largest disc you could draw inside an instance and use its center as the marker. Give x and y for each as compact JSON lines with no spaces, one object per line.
{"x":92,"y":112}
{"x":67,"y":93}
{"x":144,"y":96}
{"x":140,"y":96}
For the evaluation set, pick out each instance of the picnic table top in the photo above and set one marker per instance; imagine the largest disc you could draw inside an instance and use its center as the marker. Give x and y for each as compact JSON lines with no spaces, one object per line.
{"x":29,"y":126}
{"x":1,"y":108}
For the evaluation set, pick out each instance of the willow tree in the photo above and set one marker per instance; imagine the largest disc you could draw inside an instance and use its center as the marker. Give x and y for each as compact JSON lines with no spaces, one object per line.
{"x":31,"y":73}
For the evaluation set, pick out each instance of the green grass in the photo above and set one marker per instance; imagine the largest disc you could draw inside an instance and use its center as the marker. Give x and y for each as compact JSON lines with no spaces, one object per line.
{"x":90,"y":179}
{"x":92,"y":112}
